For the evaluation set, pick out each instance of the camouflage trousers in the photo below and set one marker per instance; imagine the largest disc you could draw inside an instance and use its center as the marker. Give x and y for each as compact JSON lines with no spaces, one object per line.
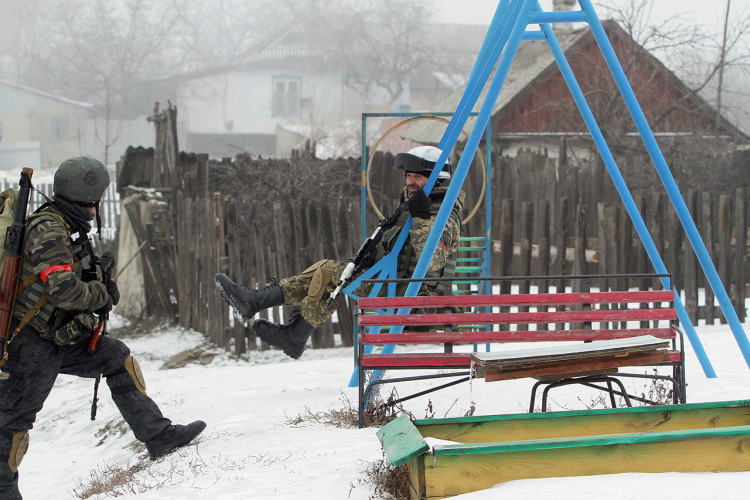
{"x":315,"y":313}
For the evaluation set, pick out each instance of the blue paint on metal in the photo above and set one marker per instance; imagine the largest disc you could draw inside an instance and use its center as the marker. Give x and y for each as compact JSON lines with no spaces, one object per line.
{"x":624,"y":191}
{"x":669,"y":183}
{"x":573,"y":16}
{"x":508,"y":29}
{"x":534,"y":36}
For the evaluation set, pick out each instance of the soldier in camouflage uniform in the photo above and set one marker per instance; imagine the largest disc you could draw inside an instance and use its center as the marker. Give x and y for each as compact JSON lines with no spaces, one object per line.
{"x":309,"y":290}
{"x":54,"y":315}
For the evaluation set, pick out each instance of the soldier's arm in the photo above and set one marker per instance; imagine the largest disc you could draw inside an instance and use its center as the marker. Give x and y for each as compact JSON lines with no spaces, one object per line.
{"x":51,"y":258}
{"x":449,"y":240}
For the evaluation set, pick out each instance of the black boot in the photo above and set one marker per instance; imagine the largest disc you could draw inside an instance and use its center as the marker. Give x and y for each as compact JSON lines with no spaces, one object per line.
{"x":173,"y":437}
{"x":246,"y":302}
{"x":291,"y":338}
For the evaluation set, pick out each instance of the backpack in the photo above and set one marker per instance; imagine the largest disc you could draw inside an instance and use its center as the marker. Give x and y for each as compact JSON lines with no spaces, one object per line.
{"x":8,"y":206}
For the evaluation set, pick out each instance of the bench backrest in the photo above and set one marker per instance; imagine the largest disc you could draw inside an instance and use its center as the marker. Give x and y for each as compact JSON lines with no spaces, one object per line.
{"x":576,"y":310}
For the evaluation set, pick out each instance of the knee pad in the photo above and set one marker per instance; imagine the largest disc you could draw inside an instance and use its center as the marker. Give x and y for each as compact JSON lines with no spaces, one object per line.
{"x":129,"y":378}
{"x":18,"y":448}
{"x":134,"y":370}
{"x":320,"y":277}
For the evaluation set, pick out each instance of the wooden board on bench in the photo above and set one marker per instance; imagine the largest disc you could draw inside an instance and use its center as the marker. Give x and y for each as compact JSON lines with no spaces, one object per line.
{"x":571,"y":360}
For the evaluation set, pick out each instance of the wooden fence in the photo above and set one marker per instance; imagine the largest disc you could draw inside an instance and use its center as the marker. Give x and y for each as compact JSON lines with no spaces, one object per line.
{"x":109,"y":209}
{"x":256,"y":219}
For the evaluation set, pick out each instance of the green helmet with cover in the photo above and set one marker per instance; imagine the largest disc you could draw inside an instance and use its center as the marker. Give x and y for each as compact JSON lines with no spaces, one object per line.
{"x":81,"y":180}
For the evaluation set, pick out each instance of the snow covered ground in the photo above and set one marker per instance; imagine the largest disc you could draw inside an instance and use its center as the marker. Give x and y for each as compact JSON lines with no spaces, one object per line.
{"x":251,"y":450}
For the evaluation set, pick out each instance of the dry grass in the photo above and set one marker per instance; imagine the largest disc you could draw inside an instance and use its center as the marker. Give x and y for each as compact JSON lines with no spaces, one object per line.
{"x":387,"y":481}
{"x":378,"y":413}
{"x":112,"y":481}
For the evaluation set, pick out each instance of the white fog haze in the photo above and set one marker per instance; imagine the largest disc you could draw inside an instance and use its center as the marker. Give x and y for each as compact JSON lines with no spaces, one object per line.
{"x":266,"y":76}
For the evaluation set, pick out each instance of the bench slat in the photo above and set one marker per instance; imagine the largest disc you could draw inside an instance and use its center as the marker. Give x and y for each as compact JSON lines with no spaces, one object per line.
{"x":453,"y":360}
{"x":419,"y":360}
{"x":532,"y":336}
{"x":518,"y":318}
{"x":528,"y":299}
{"x":569,"y":368}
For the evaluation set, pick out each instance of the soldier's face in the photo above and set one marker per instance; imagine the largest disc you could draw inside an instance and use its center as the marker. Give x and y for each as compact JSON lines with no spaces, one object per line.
{"x":92,"y":210}
{"x":415,"y":182}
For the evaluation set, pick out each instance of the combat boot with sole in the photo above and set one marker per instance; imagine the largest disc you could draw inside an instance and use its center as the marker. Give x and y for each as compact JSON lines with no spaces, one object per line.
{"x":173,"y":437}
{"x":291,"y":338}
{"x":248,"y":302}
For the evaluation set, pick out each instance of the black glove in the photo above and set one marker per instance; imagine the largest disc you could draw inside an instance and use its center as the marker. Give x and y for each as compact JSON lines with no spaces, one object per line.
{"x":106,"y":308}
{"x":108,"y":262}
{"x":419,"y":205}
{"x":113,"y":292}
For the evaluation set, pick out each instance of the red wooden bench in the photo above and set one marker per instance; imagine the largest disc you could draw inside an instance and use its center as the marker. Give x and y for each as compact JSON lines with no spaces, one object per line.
{"x":565,"y":324}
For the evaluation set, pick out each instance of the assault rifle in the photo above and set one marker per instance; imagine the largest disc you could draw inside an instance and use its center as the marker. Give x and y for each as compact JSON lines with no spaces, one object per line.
{"x":12,"y":263}
{"x":365,"y":253}
{"x":106,"y":263}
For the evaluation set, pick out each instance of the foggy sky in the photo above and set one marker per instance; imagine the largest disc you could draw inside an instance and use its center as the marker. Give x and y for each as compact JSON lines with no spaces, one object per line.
{"x":709,"y":13}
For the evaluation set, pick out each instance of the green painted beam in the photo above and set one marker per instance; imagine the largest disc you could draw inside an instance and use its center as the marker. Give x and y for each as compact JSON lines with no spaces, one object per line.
{"x":587,"y":423}
{"x":569,"y":414}
{"x":401,"y":441}
{"x":588,"y":441}
{"x":473,"y":238}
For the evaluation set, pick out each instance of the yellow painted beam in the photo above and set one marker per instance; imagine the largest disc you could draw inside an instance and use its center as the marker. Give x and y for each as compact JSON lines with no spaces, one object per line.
{"x":578,"y":424}
{"x":462,"y":473}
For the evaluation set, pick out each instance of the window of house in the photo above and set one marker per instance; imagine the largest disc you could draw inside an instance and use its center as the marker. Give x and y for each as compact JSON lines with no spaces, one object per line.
{"x":286,"y":96}
{"x":60,"y":129}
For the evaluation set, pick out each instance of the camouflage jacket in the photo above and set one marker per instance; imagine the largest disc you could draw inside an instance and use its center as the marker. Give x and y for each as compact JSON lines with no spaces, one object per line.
{"x":449,"y":240}
{"x":49,"y":253}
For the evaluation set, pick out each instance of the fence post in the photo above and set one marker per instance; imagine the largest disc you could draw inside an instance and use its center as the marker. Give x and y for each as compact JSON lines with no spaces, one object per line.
{"x":740,"y":253}
{"x":725,"y":247}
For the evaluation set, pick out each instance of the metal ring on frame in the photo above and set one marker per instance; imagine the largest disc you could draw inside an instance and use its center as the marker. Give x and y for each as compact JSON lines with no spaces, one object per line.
{"x":409,"y":120}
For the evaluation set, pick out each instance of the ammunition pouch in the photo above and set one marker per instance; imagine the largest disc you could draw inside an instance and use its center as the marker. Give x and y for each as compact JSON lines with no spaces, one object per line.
{"x":18,"y":448}
{"x":320,"y":277}
{"x":134,"y":370}
{"x":82,"y":325}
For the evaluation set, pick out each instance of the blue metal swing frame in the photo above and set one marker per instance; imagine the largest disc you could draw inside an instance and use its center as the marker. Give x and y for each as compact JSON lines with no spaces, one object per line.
{"x":507,"y":30}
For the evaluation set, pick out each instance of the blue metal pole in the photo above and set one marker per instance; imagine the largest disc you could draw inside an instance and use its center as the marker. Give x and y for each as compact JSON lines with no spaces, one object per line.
{"x":502,"y":23}
{"x":471,"y":147}
{"x":669,"y":183}
{"x":624,"y":191}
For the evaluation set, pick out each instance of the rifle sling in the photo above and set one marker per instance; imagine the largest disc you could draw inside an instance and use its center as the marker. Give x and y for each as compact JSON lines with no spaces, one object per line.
{"x":39,"y":303}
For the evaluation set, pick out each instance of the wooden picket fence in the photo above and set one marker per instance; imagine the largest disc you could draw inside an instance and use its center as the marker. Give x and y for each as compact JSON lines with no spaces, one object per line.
{"x":256,"y":219}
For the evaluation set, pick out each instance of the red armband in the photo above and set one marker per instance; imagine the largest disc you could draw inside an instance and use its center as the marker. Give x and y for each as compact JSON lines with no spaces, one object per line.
{"x":51,"y":269}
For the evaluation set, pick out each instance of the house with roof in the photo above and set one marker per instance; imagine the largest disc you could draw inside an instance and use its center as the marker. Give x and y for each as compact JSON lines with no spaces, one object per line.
{"x":535,"y":110}
{"x":293,"y":87}
{"x":39,"y":129}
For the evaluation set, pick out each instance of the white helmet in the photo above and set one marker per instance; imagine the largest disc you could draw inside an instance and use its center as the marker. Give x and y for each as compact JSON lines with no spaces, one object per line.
{"x":421,"y":160}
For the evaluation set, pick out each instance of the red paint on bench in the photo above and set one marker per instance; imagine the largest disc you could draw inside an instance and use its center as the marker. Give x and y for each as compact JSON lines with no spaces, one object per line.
{"x":528,"y":299}
{"x":518,"y":318}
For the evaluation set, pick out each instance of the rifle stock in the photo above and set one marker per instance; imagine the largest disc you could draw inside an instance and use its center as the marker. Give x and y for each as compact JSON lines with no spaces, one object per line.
{"x":13,"y":256}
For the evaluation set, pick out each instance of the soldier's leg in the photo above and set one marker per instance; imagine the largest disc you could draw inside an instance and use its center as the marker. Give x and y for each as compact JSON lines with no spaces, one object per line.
{"x":310,"y":294}
{"x":113,"y":361}
{"x":24,"y":386}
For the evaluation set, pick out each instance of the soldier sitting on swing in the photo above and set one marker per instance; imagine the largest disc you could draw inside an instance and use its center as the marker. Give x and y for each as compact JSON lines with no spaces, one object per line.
{"x":309,"y":291}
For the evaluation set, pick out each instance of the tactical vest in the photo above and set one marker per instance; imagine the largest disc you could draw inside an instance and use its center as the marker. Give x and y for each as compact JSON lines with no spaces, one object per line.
{"x":407,"y":258}
{"x":30,"y":290}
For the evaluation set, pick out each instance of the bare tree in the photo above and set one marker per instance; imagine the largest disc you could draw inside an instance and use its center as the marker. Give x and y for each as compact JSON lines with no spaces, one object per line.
{"x":380,"y":44}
